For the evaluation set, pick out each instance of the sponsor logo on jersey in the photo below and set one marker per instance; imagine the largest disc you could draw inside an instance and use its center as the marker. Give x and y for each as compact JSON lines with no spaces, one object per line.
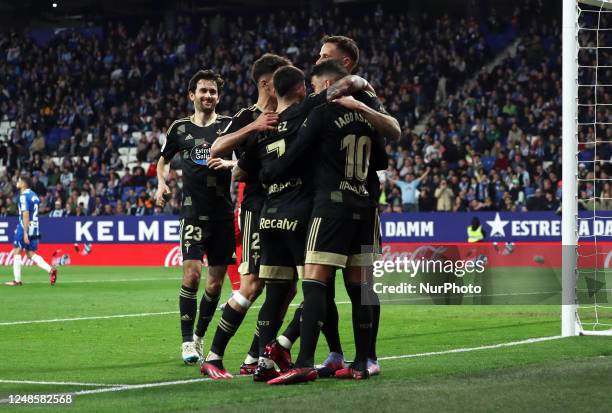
{"x":278,"y":223}
{"x":200,"y":154}
{"x":281,"y":186}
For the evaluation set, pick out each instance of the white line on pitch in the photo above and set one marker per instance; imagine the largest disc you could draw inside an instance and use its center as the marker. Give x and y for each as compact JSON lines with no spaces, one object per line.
{"x":146,"y":385}
{"x":60,"y":383}
{"x":436,"y":353}
{"x":468,"y":349}
{"x":119,"y":280}
{"x":404,"y":300}
{"x":105,"y":317}
{"x":59,"y":320}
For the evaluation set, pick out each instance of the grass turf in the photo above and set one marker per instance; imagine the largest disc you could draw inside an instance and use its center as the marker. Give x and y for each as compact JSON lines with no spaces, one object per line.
{"x":565,"y":374}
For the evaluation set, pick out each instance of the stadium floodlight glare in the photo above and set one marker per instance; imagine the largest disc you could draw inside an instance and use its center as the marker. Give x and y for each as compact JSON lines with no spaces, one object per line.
{"x":584,"y":24}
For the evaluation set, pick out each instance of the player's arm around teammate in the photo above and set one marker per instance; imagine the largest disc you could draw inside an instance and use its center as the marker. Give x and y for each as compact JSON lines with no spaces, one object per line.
{"x":227,"y":143}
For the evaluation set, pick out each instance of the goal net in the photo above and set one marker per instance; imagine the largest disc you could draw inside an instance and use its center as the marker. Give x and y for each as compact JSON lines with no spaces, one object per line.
{"x":587,"y":167}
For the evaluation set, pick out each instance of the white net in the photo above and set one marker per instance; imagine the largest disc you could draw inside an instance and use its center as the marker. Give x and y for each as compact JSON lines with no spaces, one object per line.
{"x":594,"y":190}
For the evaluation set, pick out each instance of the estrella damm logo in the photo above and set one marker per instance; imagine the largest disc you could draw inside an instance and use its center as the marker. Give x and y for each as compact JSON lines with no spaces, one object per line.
{"x":200,"y":154}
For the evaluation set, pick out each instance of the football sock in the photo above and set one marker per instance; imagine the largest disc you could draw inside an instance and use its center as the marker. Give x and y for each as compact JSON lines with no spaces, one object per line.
{"x":362,"y":325}
{"x":285,"y":342}
{"x":40,"y":261}
{"x":292,"y":332}
{"x":253,"y":352}
{"x":375,"y":321}
{"x":270,"y":320}
{"x":330,"y":327}
{"x":313,"y":316}
{"x":208,"y":306}
{"x":188,"y":308}
{"x":17,"y":267}
{"x":228,"y":325}
{"x":250,"y":359}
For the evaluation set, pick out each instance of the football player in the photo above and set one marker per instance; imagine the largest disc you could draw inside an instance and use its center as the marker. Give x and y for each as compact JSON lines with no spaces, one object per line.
{"x":27,"y":233}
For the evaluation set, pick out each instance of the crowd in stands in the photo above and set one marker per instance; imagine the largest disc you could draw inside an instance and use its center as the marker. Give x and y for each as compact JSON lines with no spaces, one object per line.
{"x":88,"y":109}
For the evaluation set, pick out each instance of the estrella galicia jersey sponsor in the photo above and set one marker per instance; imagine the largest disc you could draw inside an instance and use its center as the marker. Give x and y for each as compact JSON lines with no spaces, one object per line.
{"x":206,"y":192}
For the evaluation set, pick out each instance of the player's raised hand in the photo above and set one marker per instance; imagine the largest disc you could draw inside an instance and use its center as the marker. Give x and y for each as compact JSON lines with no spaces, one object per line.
{"x":266,"y":121}
{"x":162,"y":194}
{"x":348,"y":102}
{"x":219,"y":163}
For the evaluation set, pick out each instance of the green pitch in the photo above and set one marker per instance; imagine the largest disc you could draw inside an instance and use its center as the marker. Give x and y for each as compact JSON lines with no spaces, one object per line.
{"x":126,"y":332}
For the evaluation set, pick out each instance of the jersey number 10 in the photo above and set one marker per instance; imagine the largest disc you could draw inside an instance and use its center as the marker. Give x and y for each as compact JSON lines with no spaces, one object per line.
{"x":357,"y":156}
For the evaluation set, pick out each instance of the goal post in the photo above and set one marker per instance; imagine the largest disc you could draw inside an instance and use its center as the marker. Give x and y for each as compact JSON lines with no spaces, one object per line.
{"x":569,"y":204}
{"x":585,"y":25}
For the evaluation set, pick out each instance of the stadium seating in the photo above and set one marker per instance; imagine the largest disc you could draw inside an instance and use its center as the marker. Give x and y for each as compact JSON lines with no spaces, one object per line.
{"x":448,"y":95}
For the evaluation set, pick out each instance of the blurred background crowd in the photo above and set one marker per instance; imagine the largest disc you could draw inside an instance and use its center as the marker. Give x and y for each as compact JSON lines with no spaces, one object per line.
{"x":85,"y":110}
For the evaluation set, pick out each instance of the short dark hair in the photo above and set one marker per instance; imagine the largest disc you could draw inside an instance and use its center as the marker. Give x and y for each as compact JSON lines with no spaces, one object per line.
{"x":205,"y":75}
{"x":331,"y":68}
{"x":26,"y":179}
{"x":286,"y":79}
{"x":267,"y":64}
{"x":347,"y":45}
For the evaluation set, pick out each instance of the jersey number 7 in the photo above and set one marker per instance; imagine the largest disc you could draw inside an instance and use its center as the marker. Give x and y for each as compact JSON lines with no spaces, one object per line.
{"x":278,"y":147}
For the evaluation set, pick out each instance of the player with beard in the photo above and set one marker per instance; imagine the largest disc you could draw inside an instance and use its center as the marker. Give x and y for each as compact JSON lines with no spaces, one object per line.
{"x":344,"y":50}
{"x":206,"y":212}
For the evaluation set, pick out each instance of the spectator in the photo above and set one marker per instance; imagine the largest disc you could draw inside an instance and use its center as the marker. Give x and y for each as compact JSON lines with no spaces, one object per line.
{"x":107,"y":210}
{"x":130,"y":209}
{"x":537,"y":202}
{"x":427,"y":202}
{"x":444,"y":196}
{"x":79,"y":211}
{"x":501,"y":128}
{"x":11,"y":207}
{"x":138,"y":177}
{"x":140,"y":208}
{"x":57,"y":211}
{"x":83,"y":201}
{"x":550,"y":202}
{"x":66,"y":178}
{"x":38,"y":143}
{"x":154,"y":152}
{"x":409,"y":191}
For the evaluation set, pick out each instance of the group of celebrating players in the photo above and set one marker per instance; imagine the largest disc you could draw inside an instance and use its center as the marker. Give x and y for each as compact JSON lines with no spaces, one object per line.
{"x":309,"y":166}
